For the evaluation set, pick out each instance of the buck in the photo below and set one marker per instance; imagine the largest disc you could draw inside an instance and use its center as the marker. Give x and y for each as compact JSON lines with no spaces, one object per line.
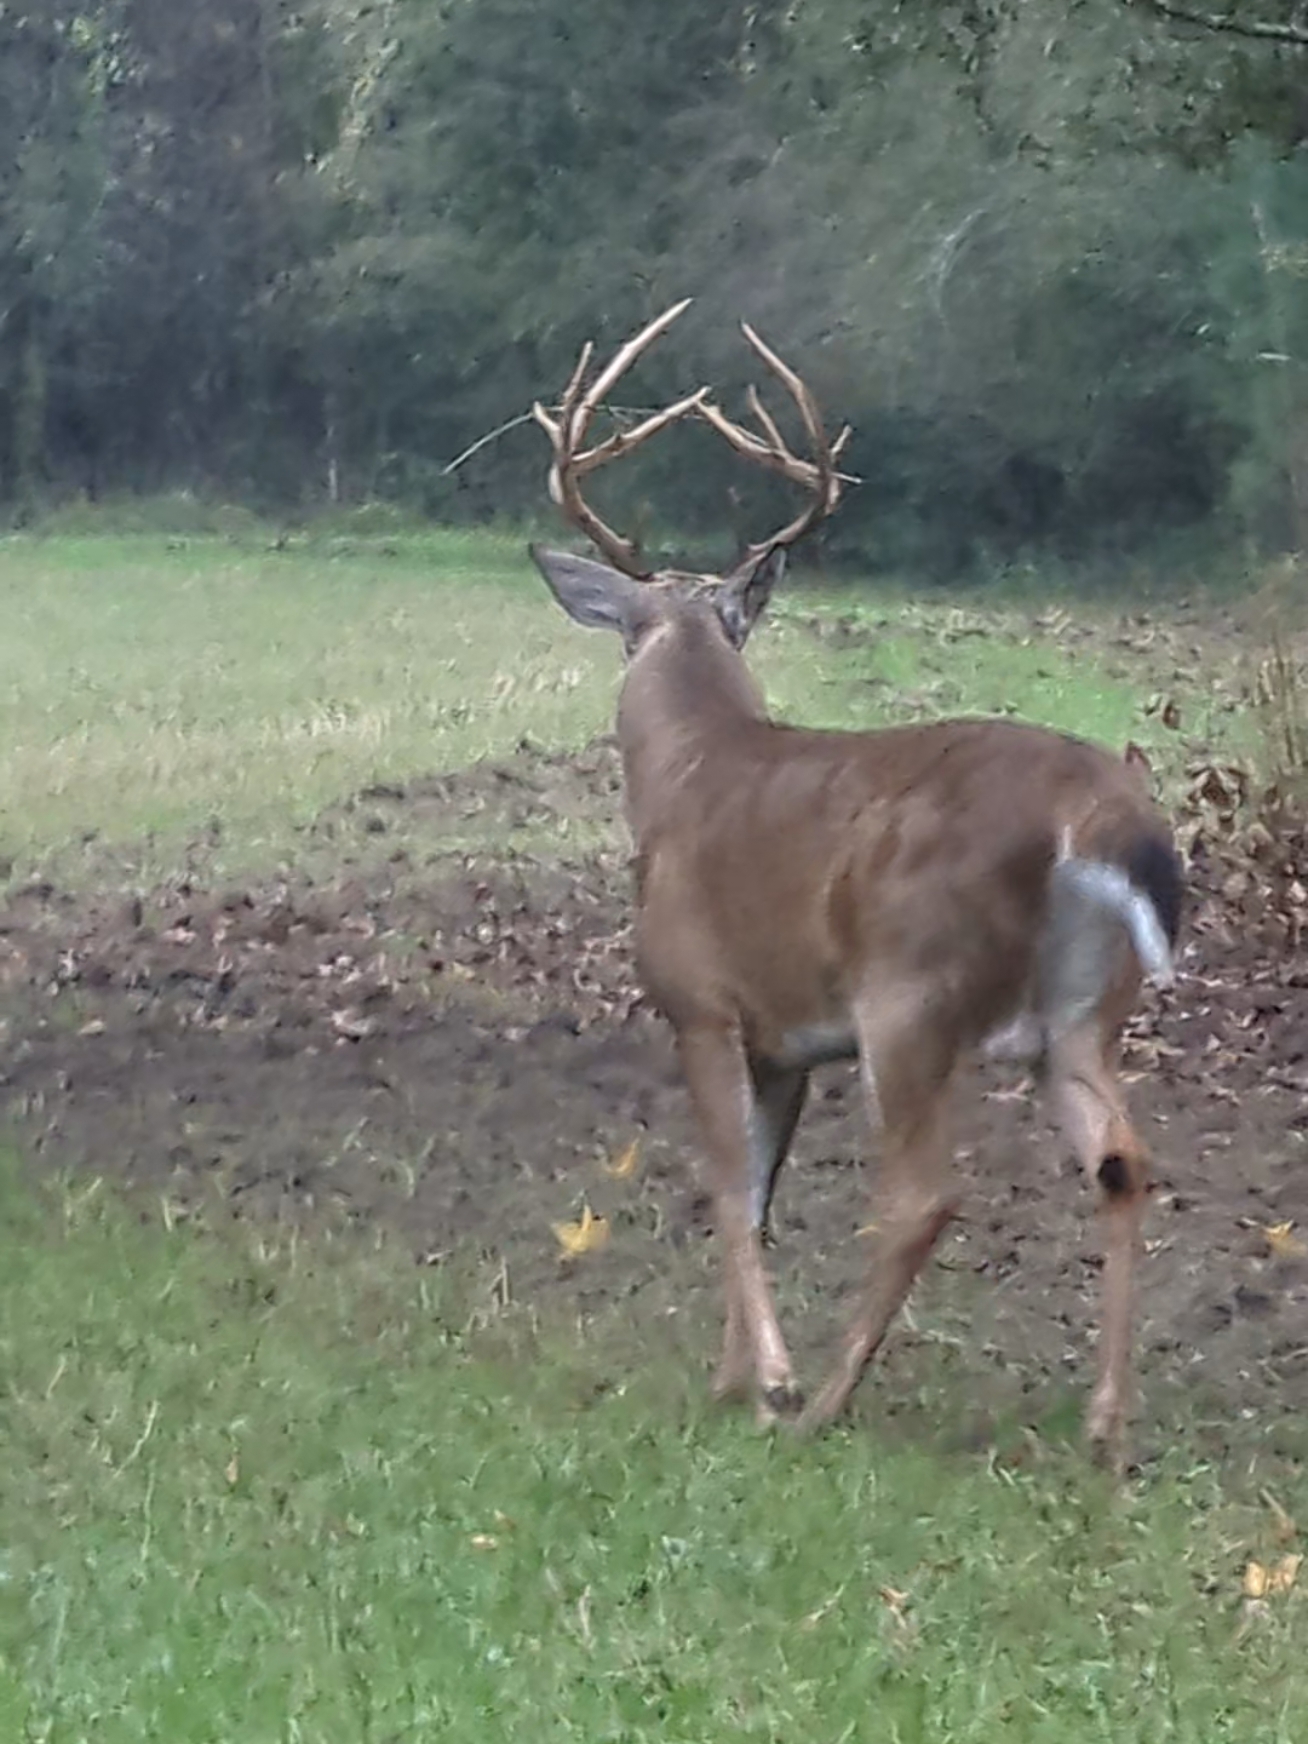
{"x":906,"y":898}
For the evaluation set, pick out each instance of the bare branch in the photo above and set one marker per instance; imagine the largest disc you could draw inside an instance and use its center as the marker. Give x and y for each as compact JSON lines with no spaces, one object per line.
{"x":627,"y":439}
{"x":1230,"y":23}
{"x":485,"y":441}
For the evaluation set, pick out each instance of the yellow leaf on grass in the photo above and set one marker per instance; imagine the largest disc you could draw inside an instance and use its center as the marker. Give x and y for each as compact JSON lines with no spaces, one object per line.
{"x":623,"y":1166}
{"x":1261,"y":1581}
{"x":1284,"y":1243}
{"x":232,"y":1470}
{"x":584,"y":1236}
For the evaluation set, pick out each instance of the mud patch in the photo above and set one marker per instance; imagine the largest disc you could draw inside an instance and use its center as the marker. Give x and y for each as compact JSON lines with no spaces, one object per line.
{"x":453,"y":1046}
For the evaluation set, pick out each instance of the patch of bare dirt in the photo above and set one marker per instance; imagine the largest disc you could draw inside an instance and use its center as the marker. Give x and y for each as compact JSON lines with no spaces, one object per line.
{"x":456,"y":1050}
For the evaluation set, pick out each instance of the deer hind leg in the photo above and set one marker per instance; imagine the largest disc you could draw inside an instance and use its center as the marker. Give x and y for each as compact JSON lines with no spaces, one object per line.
{"x":1091,"y":1110}
{"x":746,"y":1134}
{"x":906,"y":1073}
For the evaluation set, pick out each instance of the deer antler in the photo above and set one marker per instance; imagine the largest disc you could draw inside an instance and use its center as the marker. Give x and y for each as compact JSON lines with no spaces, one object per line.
{"x":818,"y":476}
{"x":568,"y":427}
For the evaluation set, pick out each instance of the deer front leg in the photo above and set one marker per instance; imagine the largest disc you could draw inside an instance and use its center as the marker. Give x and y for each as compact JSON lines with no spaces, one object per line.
{"x":740,"y":1137}
{"x":779,"y":1094}
{"x":1091,"y":1110}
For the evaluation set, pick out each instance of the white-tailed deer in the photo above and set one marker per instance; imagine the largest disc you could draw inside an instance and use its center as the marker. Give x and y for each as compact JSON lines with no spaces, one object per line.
{"x":902,"y":897}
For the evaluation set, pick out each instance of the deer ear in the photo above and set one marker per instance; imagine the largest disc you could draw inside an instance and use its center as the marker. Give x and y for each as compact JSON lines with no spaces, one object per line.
{"x":594,"y":595}
{"x":741,"y":599}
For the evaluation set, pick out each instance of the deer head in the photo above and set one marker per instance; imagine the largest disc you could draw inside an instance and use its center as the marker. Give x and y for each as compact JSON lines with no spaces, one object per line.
{"x":620,"y":593}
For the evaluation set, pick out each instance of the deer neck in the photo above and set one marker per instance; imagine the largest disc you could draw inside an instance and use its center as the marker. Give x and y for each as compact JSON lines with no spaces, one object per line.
{"x":686,"y":698}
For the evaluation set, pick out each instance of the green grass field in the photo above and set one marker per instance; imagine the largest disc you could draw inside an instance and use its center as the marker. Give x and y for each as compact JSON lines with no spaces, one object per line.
{"x":149,"y":686}
{"x":260,"y":1488}
{"x":290,"y":1494}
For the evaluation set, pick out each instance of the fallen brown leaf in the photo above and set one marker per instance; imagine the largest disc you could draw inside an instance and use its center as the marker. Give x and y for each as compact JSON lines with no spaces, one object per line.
{"x":623,"y":1166}
{"x":1261,"y":1581}
{"x":584,"y":1236}
{"x":1283,"y":1242}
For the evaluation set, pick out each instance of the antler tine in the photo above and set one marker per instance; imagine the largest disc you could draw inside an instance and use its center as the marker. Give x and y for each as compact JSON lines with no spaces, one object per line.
{"x":623,"y":441}
{"x":775,"y":437}
{"x":828,"y":481}
{"x":567,"y":431}
{"x":622,"y":362}
{"x":778,"y":459}
{"x":794,"y":385}
{"x":564,"y":491}
{"x":818,"y":476}
{"x":766,"y":419}
{"x":543,"y":418}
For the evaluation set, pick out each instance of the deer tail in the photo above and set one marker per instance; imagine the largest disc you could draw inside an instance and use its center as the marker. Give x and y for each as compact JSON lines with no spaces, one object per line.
{"x":1092,"y":902}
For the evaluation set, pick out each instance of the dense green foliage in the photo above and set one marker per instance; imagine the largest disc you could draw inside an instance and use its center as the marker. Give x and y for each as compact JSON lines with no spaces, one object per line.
{"x":1047,"y":258}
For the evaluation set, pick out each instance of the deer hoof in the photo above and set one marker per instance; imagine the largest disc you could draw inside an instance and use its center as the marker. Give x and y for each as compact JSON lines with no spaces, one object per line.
{"x":782,"y":1403}
{"x":821,"y":1412}
{"x":1105,"y":1433}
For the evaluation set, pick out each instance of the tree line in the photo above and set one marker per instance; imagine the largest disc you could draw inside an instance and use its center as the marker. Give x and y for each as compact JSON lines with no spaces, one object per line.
{"x":1048,"y":258}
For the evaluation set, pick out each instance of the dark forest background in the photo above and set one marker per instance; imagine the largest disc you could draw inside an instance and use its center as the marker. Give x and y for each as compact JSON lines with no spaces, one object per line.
{"x":1050,"y":259}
